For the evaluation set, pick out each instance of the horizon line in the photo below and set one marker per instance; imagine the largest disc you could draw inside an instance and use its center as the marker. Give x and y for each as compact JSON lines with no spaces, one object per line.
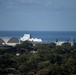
{"x":40,"y":30}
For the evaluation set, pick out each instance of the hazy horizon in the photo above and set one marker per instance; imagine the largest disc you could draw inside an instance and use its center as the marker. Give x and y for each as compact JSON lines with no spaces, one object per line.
{"x":36,"y":31}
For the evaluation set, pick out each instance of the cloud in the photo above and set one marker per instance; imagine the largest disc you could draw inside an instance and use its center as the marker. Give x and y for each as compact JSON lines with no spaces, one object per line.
{"x":21,"y":2}
{"x":52,"y":5}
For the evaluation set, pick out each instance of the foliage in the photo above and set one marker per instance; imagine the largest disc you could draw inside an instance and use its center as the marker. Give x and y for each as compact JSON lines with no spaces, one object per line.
{"x":49,"y":59}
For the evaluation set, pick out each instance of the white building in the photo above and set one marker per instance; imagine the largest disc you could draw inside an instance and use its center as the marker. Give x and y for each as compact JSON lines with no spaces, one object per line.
{"x":28,"y":37}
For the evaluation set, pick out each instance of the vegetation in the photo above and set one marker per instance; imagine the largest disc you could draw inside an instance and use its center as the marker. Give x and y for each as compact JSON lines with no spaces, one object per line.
{"x":47,"y":59}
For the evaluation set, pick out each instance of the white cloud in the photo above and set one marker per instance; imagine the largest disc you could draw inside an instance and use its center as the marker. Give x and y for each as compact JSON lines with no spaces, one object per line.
{"x":11,"y":2}
{"x":54,"y":5}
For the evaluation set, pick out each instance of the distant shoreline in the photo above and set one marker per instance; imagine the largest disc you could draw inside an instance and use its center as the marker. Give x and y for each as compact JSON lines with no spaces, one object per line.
{"x":6,"y":39}
{"x":46,"y":36}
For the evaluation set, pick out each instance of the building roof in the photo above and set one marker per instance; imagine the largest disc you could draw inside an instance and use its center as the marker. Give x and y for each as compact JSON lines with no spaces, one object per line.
{"x":1,"y":41}
{"x":13,"y":40}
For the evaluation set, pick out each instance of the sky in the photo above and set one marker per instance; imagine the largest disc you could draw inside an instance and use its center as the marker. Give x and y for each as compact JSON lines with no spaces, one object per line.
{"x":37,"y":15}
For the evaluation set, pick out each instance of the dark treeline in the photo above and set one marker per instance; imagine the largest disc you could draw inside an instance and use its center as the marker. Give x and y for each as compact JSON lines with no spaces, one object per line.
{"x":40,"y":59}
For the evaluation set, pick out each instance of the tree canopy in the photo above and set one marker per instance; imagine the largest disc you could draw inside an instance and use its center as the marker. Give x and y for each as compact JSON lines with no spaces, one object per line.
{"x":48,"y":59}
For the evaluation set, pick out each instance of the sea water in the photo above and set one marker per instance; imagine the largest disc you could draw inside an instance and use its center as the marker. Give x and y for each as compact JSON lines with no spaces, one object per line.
{"x":46,"y":36}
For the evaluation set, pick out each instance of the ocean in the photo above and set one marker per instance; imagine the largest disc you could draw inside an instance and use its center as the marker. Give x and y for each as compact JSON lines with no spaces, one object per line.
{"x":46,"y":36}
